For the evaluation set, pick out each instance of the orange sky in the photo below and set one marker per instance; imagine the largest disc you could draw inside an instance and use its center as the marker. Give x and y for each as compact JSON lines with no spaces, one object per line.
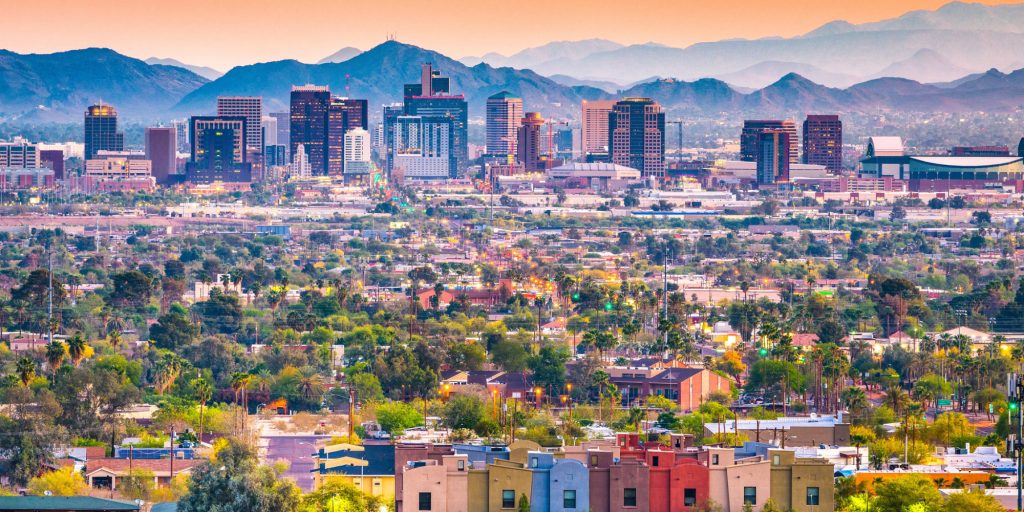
{"x":224,"y":33}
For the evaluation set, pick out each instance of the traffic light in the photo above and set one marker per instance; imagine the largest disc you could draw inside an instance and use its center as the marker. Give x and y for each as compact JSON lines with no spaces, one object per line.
{"x":608,"y":306}
{"x":763,"y":351}
{"x":576,"y":297}
{"x":1013,"y":406}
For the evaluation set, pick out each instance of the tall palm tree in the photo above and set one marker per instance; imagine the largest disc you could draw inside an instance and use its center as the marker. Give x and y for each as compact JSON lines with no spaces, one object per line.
{"x":167,"y":370}
{"x":26,"y":369}
{"x":77,"y":348}
{"x":202,"y":392}
{"x":56,"y":351}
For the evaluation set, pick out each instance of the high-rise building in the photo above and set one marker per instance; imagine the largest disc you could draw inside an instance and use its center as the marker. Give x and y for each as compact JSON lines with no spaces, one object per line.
{"x":218,"y":150}
{"x":249,"y":107}
{"x":391,"y":114}
{"x":309,"y":106}
{"x":773,"y":158}
{"x":101,"y":130}
{"x":269,"y":129}
{"x":343,"y":114}
{"x":823,"y":141}
{"x":432,"y":98}
{"x":423,"y":147}
{"x":530,"y":142}
{"x":504,"y":114}
{"x":284,"y":125}
{"x":750,"y":140}
{"x":181,"y":128}
{"x":300,"y":167}
{"x":357,"y":152}
{"x":54,"y":159}
{"x":636,"y":136}
{"x":161,"y":144}
{"x":594,"y":129}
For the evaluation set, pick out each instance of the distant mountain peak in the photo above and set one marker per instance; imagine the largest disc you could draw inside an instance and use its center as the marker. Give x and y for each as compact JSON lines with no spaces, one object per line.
{"x":341,"y":55}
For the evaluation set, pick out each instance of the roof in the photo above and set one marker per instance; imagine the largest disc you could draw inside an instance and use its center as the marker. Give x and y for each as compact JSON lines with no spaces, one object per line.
{"x":366,"y":460}
{"x":63,"y":503}
{"x":885,"y":146}
{"x":592,"y":166}
{"x":120,"y":466}
{"x":966,"y":161}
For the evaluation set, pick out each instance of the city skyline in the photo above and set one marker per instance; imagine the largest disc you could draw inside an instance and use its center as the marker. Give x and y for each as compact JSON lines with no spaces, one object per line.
{"x":459,"y":34}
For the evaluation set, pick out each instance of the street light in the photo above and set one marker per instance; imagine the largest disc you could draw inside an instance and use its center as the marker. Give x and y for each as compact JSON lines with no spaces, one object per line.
{"x":537,"y":391}
{"x":568,"y":388}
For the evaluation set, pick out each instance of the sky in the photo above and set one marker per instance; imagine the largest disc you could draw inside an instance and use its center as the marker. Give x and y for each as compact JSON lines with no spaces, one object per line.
{"x":225,"y":33}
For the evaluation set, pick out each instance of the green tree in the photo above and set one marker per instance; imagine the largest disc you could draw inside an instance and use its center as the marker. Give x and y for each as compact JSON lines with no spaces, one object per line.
{"x":548,"y":367}
{"x":26,"y":369}
{"x":202,"y":392}
{"x":394,"y":417}
{"x":974,"y":501}
{"x":232,"y":480}
{"x":463,"y":411}
{"x":901,"y":493}
{"x":62,"y":482}
{"x":173,"y":330}
{"x":334,"y":496}
{"x":131,"y":289}
{"x":367,"y":387}
{"x":510,"y":355}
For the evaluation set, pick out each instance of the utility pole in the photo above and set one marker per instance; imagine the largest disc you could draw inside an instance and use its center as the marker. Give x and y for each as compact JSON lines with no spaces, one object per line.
{"x":1014,"y":391}
{"x":49,"y":313}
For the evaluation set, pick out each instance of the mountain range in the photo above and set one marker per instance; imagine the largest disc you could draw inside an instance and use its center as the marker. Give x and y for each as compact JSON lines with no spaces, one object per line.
{"x":59,"y":86}
{"x":961,"y":37}
{"x":203,"y":71}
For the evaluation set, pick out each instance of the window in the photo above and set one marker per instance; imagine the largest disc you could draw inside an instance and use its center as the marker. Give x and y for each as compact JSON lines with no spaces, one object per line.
{"x":654,"y":461}
{"x":775,"y":460}
{"x":461,"y":465}
{"x":714,"y":459}
{"x":689,"y":497}
{"x":569,"y":498}
{"x":593,"y":460}
{"x":629,"y":497}
{"x":533,"y":462}
{"x":508,"y":498}
{"x":750,"y":495}
{"x":424,"y":501}
{"x":813,"y":496}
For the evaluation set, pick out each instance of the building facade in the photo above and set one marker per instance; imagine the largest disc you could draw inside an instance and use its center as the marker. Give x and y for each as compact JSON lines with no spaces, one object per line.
{"x":529,"y":140}
{"x":249,"y":107}
{"x":636,"y":136}
{"x":823,"y":141}
{"x":218,"y":150}
{"x":504,"y":116}
{"x":343,"y":115}
{"x":308,"y":124}
{"x":750,"y":137}
{"x":432,"y":98}
{"x":773,"y":157}
{"x":161,"y":145}
{"x":422,"y":147}
{"x":594,"y":126}
{"x":101,"y":130}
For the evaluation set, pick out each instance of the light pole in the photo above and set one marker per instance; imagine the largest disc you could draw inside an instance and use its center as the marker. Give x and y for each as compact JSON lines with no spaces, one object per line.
{"x":568,"y":387}
{"x":537,"y":392}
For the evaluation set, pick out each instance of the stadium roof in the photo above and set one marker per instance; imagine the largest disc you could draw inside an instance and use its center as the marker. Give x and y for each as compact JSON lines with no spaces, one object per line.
{"x":967,"y":161}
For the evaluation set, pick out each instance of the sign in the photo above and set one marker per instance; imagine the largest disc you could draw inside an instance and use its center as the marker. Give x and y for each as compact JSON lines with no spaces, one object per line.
{"x":944,"y":402}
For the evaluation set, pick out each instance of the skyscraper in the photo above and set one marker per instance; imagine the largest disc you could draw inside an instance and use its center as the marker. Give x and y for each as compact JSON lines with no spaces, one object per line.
{"x":594,"y":129}
{"x":432,"y":98}
{"x":773,"y":157}
{"x":504,"y":114}
{"x":101,"y":130}
{"x":309,"y":106}
{"x":161,"y":144}
{"x":529,"y":150}
{"x":823,"y":141}
{"x":636,"y":136}
{"x":283,"y":127}
{"x":54,"y":159}
{"x":181,"y":127}
{"x":749,"y":140}
{"x":422,"y":147}
{"x":390,"y":114}
{"x":268,"y":126}
{"x":343,"y":114}
{"x":357,"y":152}
{"x":249,"y":107}
{"x":218,"y":150}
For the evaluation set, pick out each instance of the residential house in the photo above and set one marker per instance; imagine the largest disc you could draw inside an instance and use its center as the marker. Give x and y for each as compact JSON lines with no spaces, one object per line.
{"x":801,"y":485}
{"x":689,"y":387}
{"x":105,"y":473}
{"x":733,"y":483}
{"x":433,"y":486}
{"x":369,"y":467}
{"x":617,"y":484}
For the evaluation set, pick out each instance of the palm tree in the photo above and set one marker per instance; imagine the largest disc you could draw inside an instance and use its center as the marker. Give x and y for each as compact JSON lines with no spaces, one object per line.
{"x":202,"y":392}
{"x":167,"y":370}
{"x":635,"y":418}
{"x":115,"y":338}
{"x":856,"y":401}
{"x":26,"y":369}
{"x":56,"y":351}
{"x":77,"y":348}
{"x":311,"y":387}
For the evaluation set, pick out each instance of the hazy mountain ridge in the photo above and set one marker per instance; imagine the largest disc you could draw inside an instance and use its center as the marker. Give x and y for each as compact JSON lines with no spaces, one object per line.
{"x":203,"y":71}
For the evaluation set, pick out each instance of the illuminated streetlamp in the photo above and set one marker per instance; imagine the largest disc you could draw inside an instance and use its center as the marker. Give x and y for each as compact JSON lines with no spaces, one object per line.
{"x":537,"y":391}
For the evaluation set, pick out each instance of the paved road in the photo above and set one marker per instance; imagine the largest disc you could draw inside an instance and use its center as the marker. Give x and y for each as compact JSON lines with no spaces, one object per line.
{"x":297,"y":451}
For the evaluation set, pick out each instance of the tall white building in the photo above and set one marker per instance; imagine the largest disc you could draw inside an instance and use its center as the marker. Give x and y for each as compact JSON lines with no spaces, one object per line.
{"x":249,"y":107}
{"x":357,"y":152}
{"x":269,"y":126}
{"x":300,"y":167}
